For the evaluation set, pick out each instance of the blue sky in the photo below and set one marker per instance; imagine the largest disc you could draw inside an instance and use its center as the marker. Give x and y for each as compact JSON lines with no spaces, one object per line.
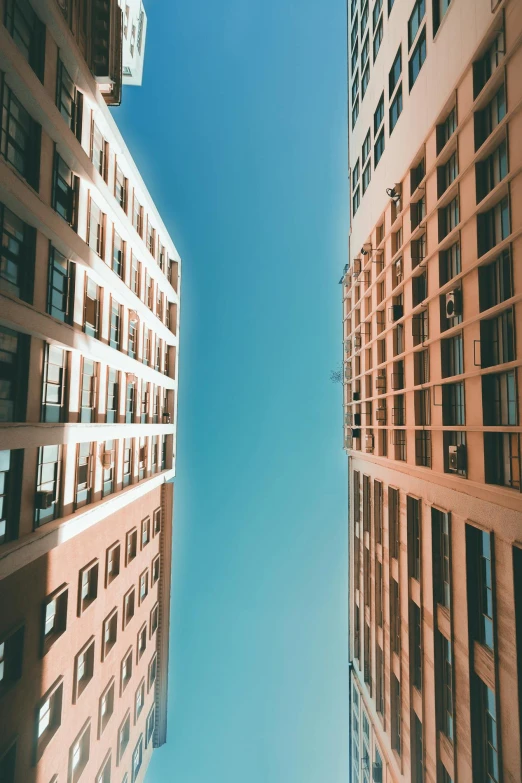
{"x":239,"y":130}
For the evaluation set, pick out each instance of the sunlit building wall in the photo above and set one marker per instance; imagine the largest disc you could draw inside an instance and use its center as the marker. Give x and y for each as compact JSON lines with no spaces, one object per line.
{"x":432,"y":318}
{"x":89,"y":324}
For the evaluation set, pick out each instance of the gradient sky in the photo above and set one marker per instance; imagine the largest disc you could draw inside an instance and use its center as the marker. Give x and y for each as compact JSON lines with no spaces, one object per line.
{"x":240,"y":132}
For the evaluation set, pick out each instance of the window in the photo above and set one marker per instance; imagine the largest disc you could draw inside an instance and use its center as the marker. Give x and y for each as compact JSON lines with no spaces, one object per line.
{"x":448,"y":218}
{"x":96,"y":229}
{"x":108,"y":462}
{"x":144,"y":586}
{"x":447,"y":173}
{"x":445,"y":666}
{"x":377,"y":38}
{"x":118,"y":254}
{"x":104,"y":775}
{"x":129,"y":606}
{"x":452,"y":356}
{"x":115,"y":325}
{"x":449,"y":263}
{"x":479,"y":549}
{"x":418,"y":753}
{"x":133,"y":339}
{"x":8,"y":763}
{"x":366,"y":177}
{"x":28,"y":33}
{"x":88,"y":391}
{"x":60,"y":295}
{"x":378,"y":593}
{"x":419,"y":290}
{"x":395,"y":617}
{"x":151,"y":238}
{"x":413,"y":508}
{"x":155,"y":571}
{"x":393,"y":519}
{"x":69,"y":101}
{"x":88,"y":586}
{"x":439,"y":10}
{"x":454,"y":446}
{"x":120,"y":188}
{"x":11,"y":655}
{"x":453,"y":407}
{"x":396,"y":109}
{"x":441,"y":557}
{"x":496,"y":281}
{"x":395,"y":73}
{"x":488,"y":118}
{"x":395,"y":713}
{"x":99,"y":150}
{"x":63,"y":193}
{"x":105,"y":707}
{"x":112,"y":564}
{"x":131,"y":543}
{"x":48,"y":478}
{"x":112,"y":396}
{"x":54,"y":377}
{"x":17,"y":255}
{"x":54,"y":617}
{"x":152,"y":671}
{"x":20,"y":137}
{"x":355,"y":111}
{"x":446,"y":129}
{"x":497,"y":339}
{"x":141,"y":644}
{"x":83,"y":669}
{"x":489,"y":744}
{"x":139,"y":700}
{"x":423,"y":448}
{"x":417,"y":212}
{"x":377,"y":8}
{"x":150,"y":726}
{"x":489,"y":172}
{"x":416,"y":645}
{"x":134,"y":274}
{"x":379,"y":148}
{"x":146,"y":358}
{"x":365,"y":78}
{"x":126,"y":670}
{"x":502,"y":459}
{"x":109,"y":633}
{"x":123,"y":737}
{"x":145,"y":532}
{"x":137,"y":215}
{"x":414,"y":22}
{"x":91,"y":309}
{"x":486,"y":65}
{"x":137,"y":759}
{"x":499,"y":399}
{"x":127,"y":462}
{"x":79,"y":753}
{"x":356,"y":200}
{"x":154,"y":619}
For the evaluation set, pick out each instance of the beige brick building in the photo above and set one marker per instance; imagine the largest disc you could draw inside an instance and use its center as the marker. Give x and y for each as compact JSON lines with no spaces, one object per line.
{"x":89,"y":324}
{"x":432,"y":310}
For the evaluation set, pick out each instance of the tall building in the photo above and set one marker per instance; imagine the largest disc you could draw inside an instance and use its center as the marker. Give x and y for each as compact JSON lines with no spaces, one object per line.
{"x":432,"y":309}
{"x":89,"y":324}
{"x":134,"y":32}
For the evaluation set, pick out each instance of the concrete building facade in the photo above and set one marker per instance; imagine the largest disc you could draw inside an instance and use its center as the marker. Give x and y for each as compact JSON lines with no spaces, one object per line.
{"x":89,"y":324}
{"x":432,"y":313}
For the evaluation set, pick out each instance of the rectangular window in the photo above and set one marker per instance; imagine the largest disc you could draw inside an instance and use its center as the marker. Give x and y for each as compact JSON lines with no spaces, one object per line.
{"x":493,"y":226}
{"x":127,"y":462}
{"x":449,"y":263}
{"x":48,"y":480}
{"x":502,"y":459}
{"x":139,"y":699}
{"x":112,"y":396}
{"x":109,"y":633}
{"x":497,"y":339}
{"x":134,"y":275}
{"x":366,"y":177}
{"x":54,"y":384}
{"x":131,"y":545}
{"x":417,"y":58}
{"x":492,"y":170}
{"x":452,"y":356}
{"x":150,"y":726}
{"x":129,"y":606}
{"x":69,"y":101}
{"x":414,"y":22}
{"x":88,"y":390}
{"x":379,"y":148}
{"x":118,"y":254}
{"x":60,"y":295}
{"x":488,"y":118}
{"x":495,"y":281}
{"x":445,"y":677}
{"x":453,"y":407}
{"x":63,"y":193}
{"x":154,"y":619}
{"x":48,"y":717}
{"x":479,"y":549}
{"x":96,"y":229}
{"x":418,"y":752}
{"x":446,"y":129}
{"x":79,"y":753}
{"x":121,"y":185}
{"x":83,"y":488}
{"x":17,"y":255}
{"x":151,"y":238}
{"x":112,"y":563}
{"x":439,"y":10}
{"x":11,"y":653}
{"x":449,"y":218}
{"x":83,"y":669}
{"x":395,"y":617}
{"x":413,"y":510}
{"x":137,"y":759}
{"x":423,"y":448}
{"x":393,"y":521}
{"x":499,"y":399}
{"x":99,"y":149}
{"x":416,"y":645}
{"x":20,"y":137}
{"x":10,"y":480}
{"x":137,"y":216}
{"x":447,"y":173}
{"x":441,"y":547}
{"x":115,"y":325}
{"x":396,"y":109}
{"x":395,"y":73}
{"x":152,"y":672}
{"x":108,"y":462}
{"x":54,"y":617}
{"x":486,"y":65}
{"x":123,"y":737}
{"x":377,"y":38}
{"x":132,"y":339}
{"x":395,"y":713}
{"x":28,"y":33}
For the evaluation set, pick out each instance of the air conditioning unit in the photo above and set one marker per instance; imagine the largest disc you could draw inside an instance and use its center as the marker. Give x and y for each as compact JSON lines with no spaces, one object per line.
{"x":376,"y":772}
{"x":357,"y":342}
{"x":381,"y":415}
{"x":348,"y":347}
{"x":133,"y":316}
{"x":356,"y":266}
{"x":456,"y":458}
{"x":380,"y":382}
{"x":348,"y":419}
{"x":396,"y":312}
{"x":454,"y":303}
{"x":107,"y":459}
{"x":369,"y":444}
{"x":398,"y":269}
{"x":44,"y":499}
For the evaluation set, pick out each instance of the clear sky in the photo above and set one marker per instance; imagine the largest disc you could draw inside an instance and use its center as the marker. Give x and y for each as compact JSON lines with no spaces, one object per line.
{"x":240,"y":132}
